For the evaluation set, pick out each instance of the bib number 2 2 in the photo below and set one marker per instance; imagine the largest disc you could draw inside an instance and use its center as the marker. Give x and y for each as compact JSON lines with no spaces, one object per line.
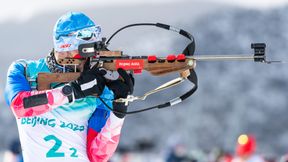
{"x":53,"y":152}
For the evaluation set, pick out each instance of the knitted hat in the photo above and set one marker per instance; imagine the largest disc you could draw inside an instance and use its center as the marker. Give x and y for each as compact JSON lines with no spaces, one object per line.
{"x":73,"y":29}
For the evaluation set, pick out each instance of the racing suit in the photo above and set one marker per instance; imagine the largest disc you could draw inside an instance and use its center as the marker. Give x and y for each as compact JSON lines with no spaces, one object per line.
{"x":59,"y":131}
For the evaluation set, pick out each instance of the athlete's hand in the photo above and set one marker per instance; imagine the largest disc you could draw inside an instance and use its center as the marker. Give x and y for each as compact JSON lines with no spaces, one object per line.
{"x":90,"y":82}
{"x":121,"y":89}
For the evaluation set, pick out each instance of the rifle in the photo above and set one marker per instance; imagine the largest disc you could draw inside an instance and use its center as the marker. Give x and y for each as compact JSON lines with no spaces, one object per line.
{"x":183,"y":63}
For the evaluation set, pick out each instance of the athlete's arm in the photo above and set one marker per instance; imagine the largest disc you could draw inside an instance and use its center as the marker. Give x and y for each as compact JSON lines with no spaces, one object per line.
{"x":104,"y":131}
{"x":104,"y":126}
{"x":19,"y":96}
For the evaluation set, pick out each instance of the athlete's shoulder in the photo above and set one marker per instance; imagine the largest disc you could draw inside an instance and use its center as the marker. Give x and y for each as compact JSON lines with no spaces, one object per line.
{"x":20,"y":64}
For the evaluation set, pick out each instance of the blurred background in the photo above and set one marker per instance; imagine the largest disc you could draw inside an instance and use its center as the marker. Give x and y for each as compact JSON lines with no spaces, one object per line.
{"x":233,"y":97}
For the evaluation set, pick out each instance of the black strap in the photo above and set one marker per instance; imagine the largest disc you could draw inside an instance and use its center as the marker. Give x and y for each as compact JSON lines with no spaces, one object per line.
{"x":160,"y":25}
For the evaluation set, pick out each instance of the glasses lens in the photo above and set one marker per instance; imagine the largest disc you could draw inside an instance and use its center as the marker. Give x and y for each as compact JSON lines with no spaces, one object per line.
{"x":85,"y":35}
{"x":89,"y":33}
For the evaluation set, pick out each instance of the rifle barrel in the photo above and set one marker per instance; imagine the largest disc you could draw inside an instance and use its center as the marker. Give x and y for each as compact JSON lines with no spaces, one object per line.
{"x":225,"y":57}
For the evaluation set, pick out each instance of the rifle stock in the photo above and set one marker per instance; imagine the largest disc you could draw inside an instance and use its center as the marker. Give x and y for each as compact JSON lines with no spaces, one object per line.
{"x":157,"y":68}
{"x":45,"y":80}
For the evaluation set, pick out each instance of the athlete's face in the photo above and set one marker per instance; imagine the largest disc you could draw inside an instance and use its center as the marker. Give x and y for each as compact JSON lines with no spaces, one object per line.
{"x":69,"y":54}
